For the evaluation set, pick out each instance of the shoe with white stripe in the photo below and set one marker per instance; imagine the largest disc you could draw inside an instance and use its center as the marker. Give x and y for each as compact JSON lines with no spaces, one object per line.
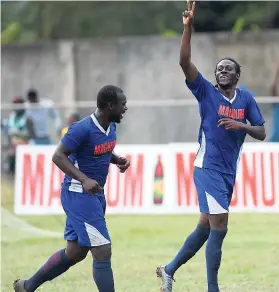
{"x":165,"y":278}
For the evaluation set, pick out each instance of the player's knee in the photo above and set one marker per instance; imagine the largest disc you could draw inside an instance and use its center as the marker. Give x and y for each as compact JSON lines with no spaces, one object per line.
{"x":76,"y":253}
{"x":102,"y":253}
{"x":218,"y":221}
{"x":204,"y":220}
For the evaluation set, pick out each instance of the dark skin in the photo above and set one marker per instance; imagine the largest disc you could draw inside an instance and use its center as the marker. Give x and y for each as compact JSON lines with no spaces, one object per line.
{"x":226,"y":78}
{"x":111,"y":113}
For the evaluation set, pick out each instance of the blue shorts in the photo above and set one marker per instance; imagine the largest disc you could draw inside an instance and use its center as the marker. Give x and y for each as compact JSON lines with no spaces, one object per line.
{"x":214,"y":190}
{"x":85,"y":222}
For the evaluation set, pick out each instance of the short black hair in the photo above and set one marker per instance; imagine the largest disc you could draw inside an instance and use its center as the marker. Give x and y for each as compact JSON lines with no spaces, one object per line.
{"x":237,"y":66}
{"x":32,"y":93}
{"x":108,"y":94}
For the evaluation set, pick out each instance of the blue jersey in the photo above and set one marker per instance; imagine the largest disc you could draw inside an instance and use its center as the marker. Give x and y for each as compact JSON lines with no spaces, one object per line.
{"x":91,"y":150}
{"x":220,"y":149}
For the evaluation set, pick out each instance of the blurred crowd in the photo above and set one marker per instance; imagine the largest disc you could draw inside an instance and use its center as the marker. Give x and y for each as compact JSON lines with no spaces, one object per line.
{"x":28,"y":123}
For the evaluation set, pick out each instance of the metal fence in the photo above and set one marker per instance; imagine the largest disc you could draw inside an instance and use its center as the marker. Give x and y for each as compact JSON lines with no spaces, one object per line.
{"x":151,"y":121}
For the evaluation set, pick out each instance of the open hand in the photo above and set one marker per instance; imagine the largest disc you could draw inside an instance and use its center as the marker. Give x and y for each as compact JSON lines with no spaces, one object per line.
{"x":230,"y":124}
{"x":188,"y":15}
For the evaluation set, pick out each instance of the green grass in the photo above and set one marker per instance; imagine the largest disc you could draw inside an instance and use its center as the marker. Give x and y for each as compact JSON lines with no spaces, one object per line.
{"x":140,"y":243}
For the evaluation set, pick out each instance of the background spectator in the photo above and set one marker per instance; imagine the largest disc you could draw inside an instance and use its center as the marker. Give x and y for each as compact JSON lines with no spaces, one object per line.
{"x":20,"y":131}
{"x":40,"y":114}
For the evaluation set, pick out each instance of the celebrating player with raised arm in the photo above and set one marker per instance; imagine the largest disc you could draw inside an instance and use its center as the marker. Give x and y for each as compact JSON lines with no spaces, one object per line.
{"x":224,"y":111}
{"x":84,"y":155}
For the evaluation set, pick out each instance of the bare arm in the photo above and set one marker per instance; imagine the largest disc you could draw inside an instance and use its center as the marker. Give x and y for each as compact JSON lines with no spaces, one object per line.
{"x":189,"y":69}
{"x":114,"y":159}
{"x":60,"y":158}
{"x":256,"y":132}
{"x":122,"y":163}
{"x":30,"y":127}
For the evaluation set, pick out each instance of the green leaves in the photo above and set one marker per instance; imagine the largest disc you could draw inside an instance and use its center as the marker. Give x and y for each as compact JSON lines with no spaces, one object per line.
{"x":28,"y":21}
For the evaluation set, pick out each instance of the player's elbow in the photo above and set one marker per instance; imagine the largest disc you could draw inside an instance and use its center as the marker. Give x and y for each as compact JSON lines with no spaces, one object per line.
{"x":184,"y":63}
{"x":61,"y":153}
{"x":262,"y":134}
{"x":57,"y":157}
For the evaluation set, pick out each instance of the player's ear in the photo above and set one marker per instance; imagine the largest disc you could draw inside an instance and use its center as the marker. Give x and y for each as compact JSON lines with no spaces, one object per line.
{"x":109,"y":105}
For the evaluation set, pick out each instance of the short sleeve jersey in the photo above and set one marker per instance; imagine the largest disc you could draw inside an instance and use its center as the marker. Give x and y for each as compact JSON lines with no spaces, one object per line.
{"x":91,"y":150}
{"x":220,"y":149}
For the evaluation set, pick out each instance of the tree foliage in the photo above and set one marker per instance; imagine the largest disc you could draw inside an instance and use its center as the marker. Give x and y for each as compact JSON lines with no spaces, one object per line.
{"x":29,"y":21}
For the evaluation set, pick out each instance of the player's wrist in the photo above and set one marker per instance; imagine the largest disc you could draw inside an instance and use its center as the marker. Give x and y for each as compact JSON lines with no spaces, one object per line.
{"x":187,"y":25}
{"x":244,"y":127}
{"x":83,"y":179}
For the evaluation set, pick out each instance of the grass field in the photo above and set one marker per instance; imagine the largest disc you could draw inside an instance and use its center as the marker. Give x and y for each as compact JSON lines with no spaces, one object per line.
{"x":140,"y":243}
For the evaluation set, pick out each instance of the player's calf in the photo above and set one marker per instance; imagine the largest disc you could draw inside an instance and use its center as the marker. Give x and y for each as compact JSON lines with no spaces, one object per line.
{"x":102,"y":272}
{"x":218,"y":224}
{"x":191,"y":246}
{"x":56,"y":265}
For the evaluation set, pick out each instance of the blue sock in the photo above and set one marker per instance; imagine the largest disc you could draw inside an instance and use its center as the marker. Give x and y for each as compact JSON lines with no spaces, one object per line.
{"x":57,"y":264}
{"x":103,"y":276}
{"x":213,"y":258}
{"x":191,"y":245}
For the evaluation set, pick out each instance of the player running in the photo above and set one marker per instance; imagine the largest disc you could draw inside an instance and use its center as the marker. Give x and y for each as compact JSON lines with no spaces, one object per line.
{"x":84,"y":155}
{"x":224,"y":110}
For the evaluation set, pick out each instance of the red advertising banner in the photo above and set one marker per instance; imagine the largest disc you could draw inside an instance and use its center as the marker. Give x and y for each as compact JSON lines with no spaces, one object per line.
{"x":159,"y":181}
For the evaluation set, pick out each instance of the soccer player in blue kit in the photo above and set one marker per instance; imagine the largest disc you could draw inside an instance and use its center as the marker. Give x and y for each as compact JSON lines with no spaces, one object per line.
{"x":84,"y":155}
{"x":224,"y":110}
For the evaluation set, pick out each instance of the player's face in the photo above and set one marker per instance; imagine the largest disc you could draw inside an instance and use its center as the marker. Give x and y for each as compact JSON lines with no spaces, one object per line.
{"x":118,"y":110}
{"x":225,"y":74}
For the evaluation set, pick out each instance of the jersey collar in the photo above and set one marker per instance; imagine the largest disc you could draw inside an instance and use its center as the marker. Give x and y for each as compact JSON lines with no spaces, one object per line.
{"x":230,"y":100}
{"x":95,"y":121}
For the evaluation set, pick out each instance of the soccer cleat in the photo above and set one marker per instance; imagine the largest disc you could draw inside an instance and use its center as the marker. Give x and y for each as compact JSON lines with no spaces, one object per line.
{"x":19,"y":286}
{"x":165,"y":278}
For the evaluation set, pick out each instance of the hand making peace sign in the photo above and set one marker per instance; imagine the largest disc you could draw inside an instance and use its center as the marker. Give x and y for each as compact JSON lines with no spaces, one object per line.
{"x":188,"y":15}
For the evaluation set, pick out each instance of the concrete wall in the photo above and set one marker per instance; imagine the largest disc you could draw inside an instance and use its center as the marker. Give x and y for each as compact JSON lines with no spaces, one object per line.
{"x":145,"y":67}
{"x":257,"y":53}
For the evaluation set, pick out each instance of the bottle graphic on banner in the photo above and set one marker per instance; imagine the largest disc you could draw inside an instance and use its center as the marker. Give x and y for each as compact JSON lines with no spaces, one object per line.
{"x":158,"y":191}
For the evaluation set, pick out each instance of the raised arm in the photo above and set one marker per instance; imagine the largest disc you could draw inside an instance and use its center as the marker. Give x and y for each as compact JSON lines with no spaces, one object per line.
{"x":187,"y":66}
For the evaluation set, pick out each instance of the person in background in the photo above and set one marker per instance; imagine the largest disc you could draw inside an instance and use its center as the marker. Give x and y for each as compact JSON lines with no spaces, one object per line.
{"x":40,"y":114}
{"x":20,"y":131}
{"x":274,"y":92}
{"x":75,"y":117}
